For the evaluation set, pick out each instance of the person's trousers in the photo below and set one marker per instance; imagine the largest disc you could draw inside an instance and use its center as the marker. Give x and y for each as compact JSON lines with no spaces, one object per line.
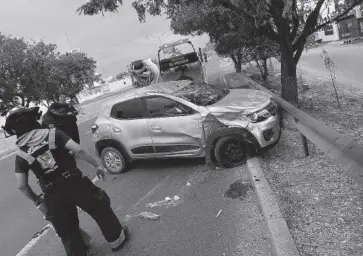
{"x":62,"y":201}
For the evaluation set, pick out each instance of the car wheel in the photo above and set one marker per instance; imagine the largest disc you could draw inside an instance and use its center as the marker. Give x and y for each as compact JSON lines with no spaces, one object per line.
{"x":231,"y":151}
{"x":113,"y":160}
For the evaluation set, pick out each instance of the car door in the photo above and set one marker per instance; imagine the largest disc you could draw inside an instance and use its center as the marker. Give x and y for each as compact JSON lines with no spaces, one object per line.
{"x":130,"y":127}
{"x":175,"y":129}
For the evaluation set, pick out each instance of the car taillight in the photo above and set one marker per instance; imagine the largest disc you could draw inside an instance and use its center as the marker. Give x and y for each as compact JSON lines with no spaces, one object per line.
{"x":94,"y":128}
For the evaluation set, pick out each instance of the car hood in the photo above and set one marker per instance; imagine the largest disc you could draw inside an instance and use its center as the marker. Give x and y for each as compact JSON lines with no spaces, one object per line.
{"x":241,"y":100}
{"x":233,"y":108}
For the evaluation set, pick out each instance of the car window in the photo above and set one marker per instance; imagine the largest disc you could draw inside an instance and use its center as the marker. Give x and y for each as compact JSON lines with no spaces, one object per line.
{"x":132,"y":109}
{"x":201,"y":94}
{"x":164,"y":107}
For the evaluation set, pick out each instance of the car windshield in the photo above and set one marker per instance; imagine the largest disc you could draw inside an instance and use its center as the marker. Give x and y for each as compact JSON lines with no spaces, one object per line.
{"x":201,"y":94}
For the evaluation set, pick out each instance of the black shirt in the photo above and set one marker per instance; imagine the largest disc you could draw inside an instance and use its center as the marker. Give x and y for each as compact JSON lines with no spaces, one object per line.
{"x":63,"y":160}
{"x":66,"y":123}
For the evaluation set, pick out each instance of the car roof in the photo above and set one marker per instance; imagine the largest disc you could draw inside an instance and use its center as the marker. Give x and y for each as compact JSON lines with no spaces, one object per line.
{"x":168,"y":88}
{"x":175,"y":43}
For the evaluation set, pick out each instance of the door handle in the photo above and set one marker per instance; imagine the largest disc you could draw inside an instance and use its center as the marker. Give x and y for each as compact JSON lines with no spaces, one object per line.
{"x":155,"y":128}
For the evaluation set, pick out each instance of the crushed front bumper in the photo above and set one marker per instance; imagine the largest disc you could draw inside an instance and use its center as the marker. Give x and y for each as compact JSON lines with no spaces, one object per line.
{"x":266,"y":132}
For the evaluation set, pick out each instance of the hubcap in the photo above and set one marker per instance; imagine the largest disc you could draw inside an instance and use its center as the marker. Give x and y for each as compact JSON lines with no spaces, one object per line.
{"x":234,"y":152}
{"x":113,"y":161}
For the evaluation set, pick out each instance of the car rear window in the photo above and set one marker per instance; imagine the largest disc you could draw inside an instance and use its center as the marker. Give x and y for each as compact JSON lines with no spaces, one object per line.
{"x":132,"y":109}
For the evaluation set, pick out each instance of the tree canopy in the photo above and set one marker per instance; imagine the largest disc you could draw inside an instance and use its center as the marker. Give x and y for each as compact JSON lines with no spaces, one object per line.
{"x":285,"y":22}
{"x":37,"y":72}
{"x":231,"y":35}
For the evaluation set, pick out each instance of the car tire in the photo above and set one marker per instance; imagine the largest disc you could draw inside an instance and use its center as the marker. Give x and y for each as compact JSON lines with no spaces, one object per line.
{"x":231,"y":151}
{"x":113,"y":160}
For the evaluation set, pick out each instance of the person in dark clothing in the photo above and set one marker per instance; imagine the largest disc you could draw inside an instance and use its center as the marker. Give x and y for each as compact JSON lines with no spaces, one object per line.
{"x":64,"y":117}
{"x":45,"y":153}
{"x":61,"y":116}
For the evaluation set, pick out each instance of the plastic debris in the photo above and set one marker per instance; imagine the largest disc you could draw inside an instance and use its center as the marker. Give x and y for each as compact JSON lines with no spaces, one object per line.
{"x":149,"y":216}
{"x":176,"y":198}
{"x":167,"y":198}
{"x":188,"y":184}
{"x":219,"y":212}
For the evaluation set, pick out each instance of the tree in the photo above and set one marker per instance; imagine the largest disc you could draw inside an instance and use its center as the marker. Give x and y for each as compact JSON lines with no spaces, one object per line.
{"x":33,"y":83}
{"x":70,"y":72}
{"x":231,"y":36}
{"x":36,"y":72}
{"x":12,"y":57}
{"x":223,"y":27}
{"x":122,"y":75}
{"x":260,"y":50}
{"x":286,"y":22}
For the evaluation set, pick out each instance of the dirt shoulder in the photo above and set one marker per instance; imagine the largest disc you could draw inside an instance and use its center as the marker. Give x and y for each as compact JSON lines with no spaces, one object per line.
{"x":321,"y":204}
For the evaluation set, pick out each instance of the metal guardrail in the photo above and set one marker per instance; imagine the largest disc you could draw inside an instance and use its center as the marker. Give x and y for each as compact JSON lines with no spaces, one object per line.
{"x":343,"y":150}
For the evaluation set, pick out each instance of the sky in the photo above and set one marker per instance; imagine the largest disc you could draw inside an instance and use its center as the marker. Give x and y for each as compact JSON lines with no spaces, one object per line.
{"x":113,"y":40}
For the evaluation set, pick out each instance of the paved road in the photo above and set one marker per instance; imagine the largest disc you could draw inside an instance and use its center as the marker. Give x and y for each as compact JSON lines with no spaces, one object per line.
{"x":348,"y":59}
{"x":189,"y":226}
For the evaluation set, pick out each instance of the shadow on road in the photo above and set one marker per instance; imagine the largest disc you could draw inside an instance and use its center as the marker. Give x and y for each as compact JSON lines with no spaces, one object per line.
{"x":162,"y":164}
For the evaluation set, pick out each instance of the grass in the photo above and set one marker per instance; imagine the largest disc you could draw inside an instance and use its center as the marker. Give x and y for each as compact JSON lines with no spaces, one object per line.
{"x":321,"y":204}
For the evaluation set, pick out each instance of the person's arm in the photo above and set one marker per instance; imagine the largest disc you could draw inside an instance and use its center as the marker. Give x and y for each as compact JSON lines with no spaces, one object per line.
{"x":71,"y":145}
{"x":23,"y":185}
{"x":81,"y":153}
{"x":72,"y":110}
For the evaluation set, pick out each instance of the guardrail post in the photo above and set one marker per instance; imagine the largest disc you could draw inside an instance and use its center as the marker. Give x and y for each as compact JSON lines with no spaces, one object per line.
{"x":305,"y":144}
{"x":304,"y":141}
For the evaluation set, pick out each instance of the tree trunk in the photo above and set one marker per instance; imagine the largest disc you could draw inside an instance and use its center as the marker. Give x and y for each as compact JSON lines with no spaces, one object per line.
{"x":237,"y":63}
{"x":238,"y":67}
{"x":265,"y":70}
{"x":288,"y":77}
{"x":22,"y":101}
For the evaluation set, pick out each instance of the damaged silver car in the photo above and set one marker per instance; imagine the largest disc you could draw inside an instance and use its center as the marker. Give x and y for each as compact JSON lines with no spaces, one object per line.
{"x":185,"y":119}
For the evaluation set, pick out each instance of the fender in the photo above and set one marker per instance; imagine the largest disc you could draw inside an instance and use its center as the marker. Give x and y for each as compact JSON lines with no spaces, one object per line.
{"x":225,"y":131}
{"x":101,"y":144}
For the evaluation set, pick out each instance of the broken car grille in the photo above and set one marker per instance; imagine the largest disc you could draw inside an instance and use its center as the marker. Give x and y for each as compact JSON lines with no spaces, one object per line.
{"x":272,"y":108}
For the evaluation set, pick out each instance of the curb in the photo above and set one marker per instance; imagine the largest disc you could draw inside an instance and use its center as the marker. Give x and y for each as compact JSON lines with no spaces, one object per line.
{"x":281,"y":239}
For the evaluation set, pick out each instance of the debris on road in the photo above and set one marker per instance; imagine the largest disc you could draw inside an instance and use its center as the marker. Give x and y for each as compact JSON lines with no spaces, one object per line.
{"x":219,"y":213}
{"x":149,"y":216}
{"x":167,"y":202}
{"x":188,"y":184}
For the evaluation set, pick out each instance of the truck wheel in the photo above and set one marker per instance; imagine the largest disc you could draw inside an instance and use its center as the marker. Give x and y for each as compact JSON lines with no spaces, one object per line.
{"x":113,"y":160}
{"x":231,"y":151}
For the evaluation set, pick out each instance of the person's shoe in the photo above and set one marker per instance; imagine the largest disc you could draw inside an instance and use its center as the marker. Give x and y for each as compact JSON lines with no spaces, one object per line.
{"x":125,"y":239}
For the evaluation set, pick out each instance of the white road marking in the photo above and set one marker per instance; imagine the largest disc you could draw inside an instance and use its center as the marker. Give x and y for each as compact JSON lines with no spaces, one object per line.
{"x":152,"y":191}
{"x":32,"y":242}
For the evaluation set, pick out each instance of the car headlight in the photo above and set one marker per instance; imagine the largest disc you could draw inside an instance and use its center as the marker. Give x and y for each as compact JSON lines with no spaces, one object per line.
{"x":259,"y":116}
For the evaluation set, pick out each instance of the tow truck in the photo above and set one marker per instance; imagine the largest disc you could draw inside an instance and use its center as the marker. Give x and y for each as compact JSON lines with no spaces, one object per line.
{"x":179,"y":61}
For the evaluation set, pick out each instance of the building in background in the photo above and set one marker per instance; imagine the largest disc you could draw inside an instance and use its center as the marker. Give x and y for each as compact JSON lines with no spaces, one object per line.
{"x":351,"y":25}
{"x":329,"y":33}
